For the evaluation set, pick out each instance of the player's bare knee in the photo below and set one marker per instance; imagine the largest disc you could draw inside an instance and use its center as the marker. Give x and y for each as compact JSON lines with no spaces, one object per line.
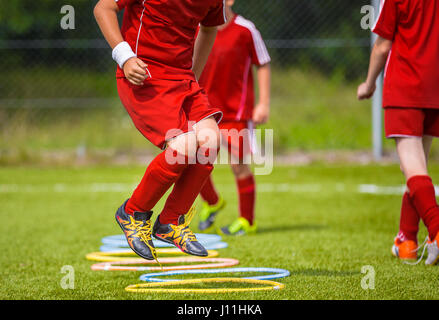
{"x":183,"y":147}
{"x":208,"y":140}
{"x":208,"y":134}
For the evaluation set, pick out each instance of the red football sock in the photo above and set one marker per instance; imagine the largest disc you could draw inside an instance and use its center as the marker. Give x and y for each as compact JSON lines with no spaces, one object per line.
{"x":158,"y":178}
{"x":188,"y":186}
{"x":409,"y":221}
{"x":185,"y":191}
{"x":423,"y":197}
{"x":208,"y":192}
{"x":246,"y":190}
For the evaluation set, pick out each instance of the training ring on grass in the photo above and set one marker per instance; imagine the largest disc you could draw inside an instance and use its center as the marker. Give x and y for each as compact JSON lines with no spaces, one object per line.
{"x":130,"y":255}
{"x":126,"y":265}
{"x":157,"y":287}
{"x":120,"y":240}
{"x":210,"y":246}
{"x":276,"y":273}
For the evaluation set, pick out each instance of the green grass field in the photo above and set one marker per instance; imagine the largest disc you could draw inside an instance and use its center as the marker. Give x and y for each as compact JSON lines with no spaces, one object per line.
{"x":312,"y":221}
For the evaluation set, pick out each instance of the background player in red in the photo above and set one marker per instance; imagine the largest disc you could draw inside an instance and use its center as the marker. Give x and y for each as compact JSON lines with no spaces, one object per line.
{"x":409,"y":42}
{"x":228,"y":81}
{"x":159,"y":59}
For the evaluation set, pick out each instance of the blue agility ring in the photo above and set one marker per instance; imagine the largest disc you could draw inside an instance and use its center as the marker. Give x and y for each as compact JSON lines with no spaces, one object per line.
{"x":120,"y":241}
{"x":276,"y":273}
{"x":110,"y":248}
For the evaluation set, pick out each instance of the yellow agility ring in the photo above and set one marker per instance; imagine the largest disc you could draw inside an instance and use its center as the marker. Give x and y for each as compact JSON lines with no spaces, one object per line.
{"x":157,"y":287}
{"x":127,"y":265}
{"x":126,"y":255}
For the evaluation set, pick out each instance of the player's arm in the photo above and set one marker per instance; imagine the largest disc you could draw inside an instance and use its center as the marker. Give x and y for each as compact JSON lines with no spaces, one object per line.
{"x":378,"y":59}
{"x":105,"y":13}
{"x":203,"y":46}
{"x":261,"y":112}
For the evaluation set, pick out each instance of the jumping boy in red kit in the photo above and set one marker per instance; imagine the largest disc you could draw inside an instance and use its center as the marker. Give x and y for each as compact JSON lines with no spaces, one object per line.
{"x":408,"y":49}
{"x":159,"y":61}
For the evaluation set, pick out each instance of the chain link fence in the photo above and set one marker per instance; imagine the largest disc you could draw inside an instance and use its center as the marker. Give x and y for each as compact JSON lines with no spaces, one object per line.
{"x":58,"y":93}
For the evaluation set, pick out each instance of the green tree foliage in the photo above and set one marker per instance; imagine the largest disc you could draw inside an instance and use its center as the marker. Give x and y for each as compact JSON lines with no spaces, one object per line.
{"x":308,"y":33}
{"x":21,"y":19}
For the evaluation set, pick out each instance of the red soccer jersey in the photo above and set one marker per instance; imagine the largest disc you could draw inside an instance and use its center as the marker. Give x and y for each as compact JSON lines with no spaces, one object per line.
{"x":412,"y":71}
{"x":227,"y":77}
{"x":162,"y":32}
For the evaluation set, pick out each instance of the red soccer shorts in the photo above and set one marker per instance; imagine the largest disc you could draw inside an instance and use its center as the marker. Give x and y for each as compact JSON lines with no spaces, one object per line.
{"x":238,"y":136}
{"x":164,"y":109}
{"x":411,"y":122}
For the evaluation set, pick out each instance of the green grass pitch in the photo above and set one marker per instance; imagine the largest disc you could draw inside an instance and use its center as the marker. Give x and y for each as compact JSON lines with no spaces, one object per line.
{"x":312,"y":221}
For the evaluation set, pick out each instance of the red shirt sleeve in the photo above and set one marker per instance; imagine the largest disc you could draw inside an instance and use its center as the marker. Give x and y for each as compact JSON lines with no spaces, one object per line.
{"x":216,"y":15}
{"x":123,"y":3}
{"x":387,"y":22}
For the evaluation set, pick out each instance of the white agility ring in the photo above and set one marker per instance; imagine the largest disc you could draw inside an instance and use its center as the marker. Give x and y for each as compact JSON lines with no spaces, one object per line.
{"x":120,"y":240}
{"x":275,"y":273}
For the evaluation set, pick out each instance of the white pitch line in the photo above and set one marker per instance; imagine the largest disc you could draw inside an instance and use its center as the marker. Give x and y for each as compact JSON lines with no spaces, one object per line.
{"x":386,"y":190}
{"x":227,"y":188}
{"x":67,"y":188}
{"x":128,"y":187}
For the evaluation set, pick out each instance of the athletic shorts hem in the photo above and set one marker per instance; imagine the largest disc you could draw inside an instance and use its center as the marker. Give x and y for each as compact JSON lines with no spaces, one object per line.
{"x":401,"y":122}
{"x":218,"y":115}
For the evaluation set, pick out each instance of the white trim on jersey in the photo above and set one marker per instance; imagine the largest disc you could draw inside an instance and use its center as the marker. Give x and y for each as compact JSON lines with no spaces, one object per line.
{"x":241,"y":107}
{"x":387,"y":63}
{"x":224,"y":11}
{"x":261,"y":49}
{"x":379,"y":14}
{"x":140,"y":26}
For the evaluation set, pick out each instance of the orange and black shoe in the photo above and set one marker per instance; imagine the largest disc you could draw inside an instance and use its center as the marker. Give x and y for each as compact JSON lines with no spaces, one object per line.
{"x":405,"y":250}
{"x":137,"y":230}
{"x":180,"y":236}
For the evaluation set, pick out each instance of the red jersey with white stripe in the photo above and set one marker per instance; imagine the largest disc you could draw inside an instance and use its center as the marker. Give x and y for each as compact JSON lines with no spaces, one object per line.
{"x":162,"y":32}
{"x":412,"y":71}
{"x":227,"y":77}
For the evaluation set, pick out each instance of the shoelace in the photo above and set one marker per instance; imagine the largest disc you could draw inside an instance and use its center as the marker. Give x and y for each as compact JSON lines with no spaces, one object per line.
{"x":144,"y":231}
{"x":424,"y":247}
{"x":183,"y":229}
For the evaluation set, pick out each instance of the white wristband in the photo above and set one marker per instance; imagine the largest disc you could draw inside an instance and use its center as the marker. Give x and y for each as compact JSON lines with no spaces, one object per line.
{"x":122,"y":52}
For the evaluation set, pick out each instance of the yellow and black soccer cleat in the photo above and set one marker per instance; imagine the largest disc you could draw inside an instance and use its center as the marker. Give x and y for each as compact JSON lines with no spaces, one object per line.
{"x":179,"y":235}
{"x":137,"y":230}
